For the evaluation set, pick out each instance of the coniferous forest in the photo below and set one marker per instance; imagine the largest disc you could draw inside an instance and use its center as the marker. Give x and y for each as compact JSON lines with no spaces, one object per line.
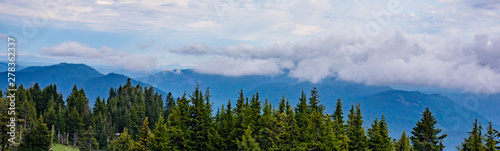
{"x":137,"y":118}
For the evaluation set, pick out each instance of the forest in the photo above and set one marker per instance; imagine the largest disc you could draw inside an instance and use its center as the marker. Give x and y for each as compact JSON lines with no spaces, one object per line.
{"x":137,"y":118}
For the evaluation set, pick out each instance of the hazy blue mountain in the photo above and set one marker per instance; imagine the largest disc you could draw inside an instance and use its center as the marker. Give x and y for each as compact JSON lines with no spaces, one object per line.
{"x":4,"y":66}
{"x":403,"y":109}
{"x":484,"y":104}
{"x":65,"y":76}
{"x":223,"y":88}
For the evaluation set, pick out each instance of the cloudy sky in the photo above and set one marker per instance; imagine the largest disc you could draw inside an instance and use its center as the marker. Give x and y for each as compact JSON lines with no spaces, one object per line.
{"x":437,"y":43}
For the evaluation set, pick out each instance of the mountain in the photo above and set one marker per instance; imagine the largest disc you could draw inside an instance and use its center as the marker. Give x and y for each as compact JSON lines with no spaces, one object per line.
{"x":4,"y":66}
{"x":484,"y":104}
{"x":223,"y":88}
{"x":403,"y":109}
{"x":65,"y":76}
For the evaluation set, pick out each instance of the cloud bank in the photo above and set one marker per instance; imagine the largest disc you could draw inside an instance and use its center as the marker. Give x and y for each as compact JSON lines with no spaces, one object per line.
{"x":74,"y":50}
{"x":395,"y":57}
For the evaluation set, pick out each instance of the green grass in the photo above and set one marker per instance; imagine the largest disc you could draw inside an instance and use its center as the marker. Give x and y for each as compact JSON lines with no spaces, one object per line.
{"x":60,"y":147}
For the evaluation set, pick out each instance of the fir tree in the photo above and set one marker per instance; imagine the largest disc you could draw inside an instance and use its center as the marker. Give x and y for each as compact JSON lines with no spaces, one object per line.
{"x":491,"y":138}
{"x":38,"y":138}
{"x":160,"y":138}
{"x":475,"y":140}
{"x":122,"y":143}
{"x":425,"y":135}
{"x":89,"y":142}
{"x":145,"y":136}
{"x":403,"y":144}
{"x":355,"y":129}
{"x":247,"y":142}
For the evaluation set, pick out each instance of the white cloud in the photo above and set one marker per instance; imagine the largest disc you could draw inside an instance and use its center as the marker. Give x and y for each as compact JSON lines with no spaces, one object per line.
{"x":74,"y":50}
{"x":303,"y":30}
{"x":201,"y":24}
{"x":393,"y":58}
{"x":239,"y":67}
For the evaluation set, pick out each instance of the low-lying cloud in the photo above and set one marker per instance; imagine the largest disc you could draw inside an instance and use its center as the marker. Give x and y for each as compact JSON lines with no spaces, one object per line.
{"x":105,"y":55}
{"x":392,"y":58}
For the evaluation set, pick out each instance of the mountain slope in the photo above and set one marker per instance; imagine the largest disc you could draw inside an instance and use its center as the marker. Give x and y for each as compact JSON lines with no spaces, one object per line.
{"x":99,"y":86}
{"x":403,"y":109}
{"x":65,"y":76}
{"x":223,"y":88}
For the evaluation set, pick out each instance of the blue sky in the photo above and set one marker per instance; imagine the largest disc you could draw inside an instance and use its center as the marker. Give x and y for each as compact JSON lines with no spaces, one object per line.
{"x":441,"y":43}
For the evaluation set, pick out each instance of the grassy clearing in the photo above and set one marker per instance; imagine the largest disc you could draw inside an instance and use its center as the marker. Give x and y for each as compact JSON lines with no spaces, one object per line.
{"x":60,"y":147}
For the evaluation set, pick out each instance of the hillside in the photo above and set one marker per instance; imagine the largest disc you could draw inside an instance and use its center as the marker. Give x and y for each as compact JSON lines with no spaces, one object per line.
{"x":65,"y":76}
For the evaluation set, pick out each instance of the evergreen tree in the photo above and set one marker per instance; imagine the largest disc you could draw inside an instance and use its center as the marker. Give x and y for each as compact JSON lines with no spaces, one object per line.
{"x":74,"y":125}
{"x":123,"y":143}
{"x":425,"y":135}
{"x":38,"y":138}
{"x":403,"y":144}
{"x":266,"y":136}
{"x":374,"y":137}
{"x":178,"y":123}
{"x":200,"y":115}
{"x":169,"y":103}
{"x":160,"y":138}
{"x":247,"y":142}
{"x":475,"y":140}
{"x":355,"y":129}
{"x":227,"y":125}
{"x":330,"y":138}
{"x":239,"y":111}
{"x":378,"y":136}
{"x":302,"y":112}
{"x":89,"y":142}
{"x":4,"y":121}
{"x":386,"y":143}
{"x":491,"y":138}
{"x":145,"y":136}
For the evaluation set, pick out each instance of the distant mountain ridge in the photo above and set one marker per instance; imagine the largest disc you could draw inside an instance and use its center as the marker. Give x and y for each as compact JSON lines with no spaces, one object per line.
{"x":402,"y":108}
{"x":66,"y":75}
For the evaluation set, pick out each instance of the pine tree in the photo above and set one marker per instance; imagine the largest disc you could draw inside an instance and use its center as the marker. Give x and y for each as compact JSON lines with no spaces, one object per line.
{"x":386,"y":143}
{"x":374,"y":137}
{"x":282,"y":127}
{"x":123,"y":143}
{"x":302,"y":112}
{"x":425,"y":136}
{"x":200,"y":116}
{"x":239,"y":111}
{"x":339,"y":127}
{"x":491,"y":138}
{"x":403,"y":144}
{"x":38,"y":138}
{"x":266,"y":137}
{"x":169,"y":103}
{"x":228,"y":127}
{"x":74,"y":124}
{"x":4,"y":121}
{"x":247,"y":142}
{"x":255,"y":112}
{"x":355,"y":129}
{"x":145,"y":136}
{"x":160,"y":138}
{"x":178,"y":123}
{"x":89,"y":142}
{"x":475,"y":140}
{"x":331,"y":141}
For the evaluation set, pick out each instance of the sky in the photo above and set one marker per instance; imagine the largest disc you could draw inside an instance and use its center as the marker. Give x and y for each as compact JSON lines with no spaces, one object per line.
{"x":437,"y":43}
